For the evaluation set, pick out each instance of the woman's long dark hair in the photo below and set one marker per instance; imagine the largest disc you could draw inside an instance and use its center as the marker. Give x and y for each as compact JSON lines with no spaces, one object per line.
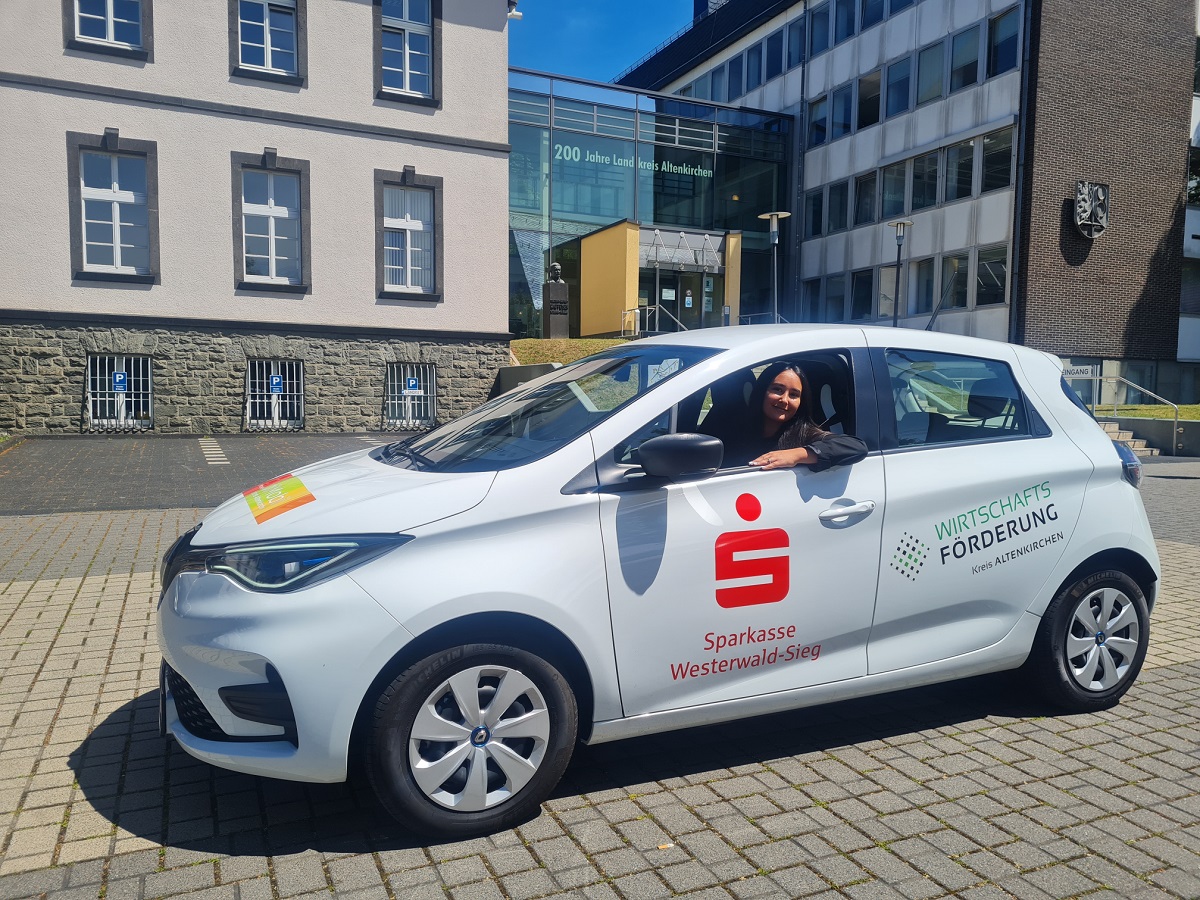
{"x":802,"y":429}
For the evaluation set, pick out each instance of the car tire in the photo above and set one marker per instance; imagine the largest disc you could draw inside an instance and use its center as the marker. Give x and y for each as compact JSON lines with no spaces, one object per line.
{"x":1091,"y":643}
{"x":446,"y":762}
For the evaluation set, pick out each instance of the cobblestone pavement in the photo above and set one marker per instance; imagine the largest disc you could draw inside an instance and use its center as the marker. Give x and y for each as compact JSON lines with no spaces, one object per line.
{"x":964,"y":790}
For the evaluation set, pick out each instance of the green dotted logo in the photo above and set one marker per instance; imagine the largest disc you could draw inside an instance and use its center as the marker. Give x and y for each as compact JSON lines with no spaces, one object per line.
{"x":910,"y":556}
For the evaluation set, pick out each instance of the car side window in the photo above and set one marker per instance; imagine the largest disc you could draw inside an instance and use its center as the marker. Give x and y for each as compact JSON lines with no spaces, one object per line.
{"x":940,"y":398}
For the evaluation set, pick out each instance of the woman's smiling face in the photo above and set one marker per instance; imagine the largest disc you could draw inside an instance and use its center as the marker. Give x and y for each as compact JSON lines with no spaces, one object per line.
{"x":782,"y":400}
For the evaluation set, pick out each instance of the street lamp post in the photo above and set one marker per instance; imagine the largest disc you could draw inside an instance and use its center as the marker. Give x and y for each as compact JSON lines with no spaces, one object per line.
{"x":774,"y":218}
{"x":901,"y":226}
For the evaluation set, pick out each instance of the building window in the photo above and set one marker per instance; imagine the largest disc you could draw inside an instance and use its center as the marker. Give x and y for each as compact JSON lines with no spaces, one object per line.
{"x":925,"y":180}
{"x":842,"y":116}
{"x":114,"y":27}
{"x":1196,"y":73}
{"x":834,"y":306}
{"x":872,"y":13}
{"x":410,"y":396}
{"x":894,"y":6}
{"x":991,"y":278}
{"x":921,"y":299}
{"x":274,"y":395}
{"x":795,"y":44}
{"x":408,"y":234}
{"x":843,"y":20}
{"x":735,"y":78}
{"x":893,"y":189}
{"x":267,"y":39}
{"x":812,"y":300}
{"x":839,"y":202}
{"x":754,"y":66}
{"x":997,"y":160}
{"x":899,"y":87}
{"x":1193,"y":180}
{"x":272,"y":240}
{"x":118,"y":394}
{"x":864,"y":198}
{"x":862,"y":294}
{"x":818,"y":122}
{"x":113,"y":207}
{"x":887,"y":291}
{"x":774,"y":60}
{"x":818,"y":30}
{"x":954,"y":280}
{"x":964,"y":59}
{"x":931,"y":64}
{"x":717,"y":81}
{"x":814,"y":213}
{"x":868,"y":100}
{"x":960,"y":171}
{"x":1002,"y":43}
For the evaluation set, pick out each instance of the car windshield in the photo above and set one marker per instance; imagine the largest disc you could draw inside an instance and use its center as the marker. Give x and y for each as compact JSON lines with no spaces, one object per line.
{"x":530,"y":422}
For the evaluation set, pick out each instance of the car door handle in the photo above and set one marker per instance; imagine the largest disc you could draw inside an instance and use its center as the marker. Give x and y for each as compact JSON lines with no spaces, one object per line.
{"x":841,"y":512}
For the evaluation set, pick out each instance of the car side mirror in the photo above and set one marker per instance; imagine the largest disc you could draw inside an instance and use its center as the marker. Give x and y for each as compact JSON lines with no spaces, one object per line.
{"x":681,"y":457}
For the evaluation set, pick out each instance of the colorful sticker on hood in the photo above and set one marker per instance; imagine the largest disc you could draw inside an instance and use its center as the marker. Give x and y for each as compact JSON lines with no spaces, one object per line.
{"x":275,"y":497}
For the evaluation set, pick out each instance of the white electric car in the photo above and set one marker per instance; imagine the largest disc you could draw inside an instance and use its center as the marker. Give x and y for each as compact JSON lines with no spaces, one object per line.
{"x":572,"y":561}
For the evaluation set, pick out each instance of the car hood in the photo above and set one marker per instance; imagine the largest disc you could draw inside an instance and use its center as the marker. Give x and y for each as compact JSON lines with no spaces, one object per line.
{"x":350,"y":494}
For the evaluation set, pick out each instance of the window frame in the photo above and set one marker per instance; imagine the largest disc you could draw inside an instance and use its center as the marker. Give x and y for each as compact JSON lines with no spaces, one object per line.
{"x":873,"y":175}
{"x":833,"y":226}
{"x":953,"y":40}
{"x":812,"y":120}
{"x":845,"y":95}
{"x":795,"y":46}
{"x":753,"y":72}
{"x":240,"y":70}
{"x":270,"y":162}
{"x":939,"y":46}
{"x":408,"y":178}
{"x":72,"y":40}
{"x":856,"y":278}
{"x":824,"y":9}
{"x":887,"y":82}
{"x":133,"y":408}
{"x":847,"y":11}
{"x":814,"y":213}
{"x":111,"y":144}
{"x":949,"y":176}
{"x":989,"y":70}
{"x":1012,"y":156}
{"x":977,"y":268}
{"x":396,"y":398}
{"x":936,"y":156}
{"x":877,"y":76}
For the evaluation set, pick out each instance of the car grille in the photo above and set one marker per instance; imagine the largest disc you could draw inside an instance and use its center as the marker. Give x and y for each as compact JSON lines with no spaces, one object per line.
{"x":193,"y":714}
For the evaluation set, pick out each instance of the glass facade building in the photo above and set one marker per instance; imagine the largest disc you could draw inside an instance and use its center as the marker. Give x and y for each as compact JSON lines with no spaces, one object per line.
{"x":649,"y":203}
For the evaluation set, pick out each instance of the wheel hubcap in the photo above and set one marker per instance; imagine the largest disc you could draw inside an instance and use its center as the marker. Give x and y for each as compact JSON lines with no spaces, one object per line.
{"x":1102,"y":639}
{"x":478,"y":738}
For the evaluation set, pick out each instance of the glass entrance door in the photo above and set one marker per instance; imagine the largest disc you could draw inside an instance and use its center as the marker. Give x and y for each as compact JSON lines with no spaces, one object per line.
{"x":686,"y":300}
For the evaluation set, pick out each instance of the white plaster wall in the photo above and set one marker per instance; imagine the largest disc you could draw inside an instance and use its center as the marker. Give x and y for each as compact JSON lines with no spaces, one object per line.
{"x":191,"y":59}
{"x":195,"y":216}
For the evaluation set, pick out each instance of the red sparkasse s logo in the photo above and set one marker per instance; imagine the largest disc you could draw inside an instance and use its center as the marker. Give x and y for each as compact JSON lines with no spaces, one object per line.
{"x":774,"y":568}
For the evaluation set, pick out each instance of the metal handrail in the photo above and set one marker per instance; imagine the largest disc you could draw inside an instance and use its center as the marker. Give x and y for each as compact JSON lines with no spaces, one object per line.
{"x":1138,"y":387}
{"x":660,"y":308}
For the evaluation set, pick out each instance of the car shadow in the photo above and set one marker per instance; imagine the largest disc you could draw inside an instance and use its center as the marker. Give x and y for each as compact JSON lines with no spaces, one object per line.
{"x":147,"y":786}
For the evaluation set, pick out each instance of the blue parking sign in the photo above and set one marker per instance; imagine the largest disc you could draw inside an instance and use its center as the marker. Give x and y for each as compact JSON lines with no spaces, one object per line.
{"x":276,"y":384}
{"x":120,"y":382}
{"x":412,"y":386}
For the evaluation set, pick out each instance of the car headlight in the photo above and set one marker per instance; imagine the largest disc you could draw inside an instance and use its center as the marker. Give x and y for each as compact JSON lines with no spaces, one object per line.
{"x":288,"y":565}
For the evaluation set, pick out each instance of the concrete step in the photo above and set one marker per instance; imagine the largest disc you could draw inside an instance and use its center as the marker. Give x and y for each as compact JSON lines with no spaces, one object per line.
{"x":1135,"y":444}
{"x":1145,"y":452}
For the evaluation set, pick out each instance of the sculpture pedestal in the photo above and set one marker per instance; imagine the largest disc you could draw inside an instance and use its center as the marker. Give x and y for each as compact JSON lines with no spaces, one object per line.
{"x":556,"y":310}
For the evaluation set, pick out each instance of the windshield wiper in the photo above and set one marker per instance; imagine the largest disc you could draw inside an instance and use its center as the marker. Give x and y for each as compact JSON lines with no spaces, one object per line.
{"x":402,"y":448}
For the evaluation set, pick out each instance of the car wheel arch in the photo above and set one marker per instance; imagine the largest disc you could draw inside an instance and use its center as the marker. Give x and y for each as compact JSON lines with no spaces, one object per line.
{"x":512,"y":629}
{"x":1119,"y":558}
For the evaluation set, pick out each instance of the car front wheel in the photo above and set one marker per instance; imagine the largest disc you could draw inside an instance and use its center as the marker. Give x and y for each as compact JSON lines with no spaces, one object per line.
{"x":471,"y":740}
{"x":1092,"y":642}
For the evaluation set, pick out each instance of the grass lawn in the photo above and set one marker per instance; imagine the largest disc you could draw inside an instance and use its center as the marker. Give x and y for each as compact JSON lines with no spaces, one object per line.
{"x":531,"y":351}
{"x":1190,"y":412}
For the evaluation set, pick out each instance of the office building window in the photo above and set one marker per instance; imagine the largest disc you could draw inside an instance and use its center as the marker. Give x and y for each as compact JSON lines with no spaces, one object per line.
{"x":118,"y":394}
{"x":272,"y":234}
{"x":407,"y":35}
{"x":893,"y":189}
{"x":899,"y":87}
{"x":814,"y":213}
{"x":862,"y":294}
{"x":774,"y":59}
{"x":964,"y":59}
{"x":410,"y":396}
{"x":931,"y":64}
{"x":921,"y":301}
{"x":717,"y":83}
{"x":991,"y":280}
{"x":834,"y":306}
{"x":842,"y":113}
{"x":839,"y":201}
{"x":735,"y":78}
{"x":267,"y":39}
{"x":113,"y":207}
{"x":1002,"y":43}
{"x":864,"y":198}
{"x":997,"y":160}
{"x":954,"y":280}
{"x":868,"y":99}
{"x":1193,"y":180}
{"x":872,"y":13}
{"x":818,"y":122}
{"x":894,"y":6}
{"x":925,"y":180}
{"x":113,"y":27}
{"x":811,"y":311}
{"x":795,"y":43}
{"x":1196,"y":73}
{"x":843,"y":20}
{"x":274,"y":395}
{"x":754,"y":66}
{"x":960,"y":170}
{"x":818,"y":28}
{"x":887,"y":291}
{"x":408,"y":234}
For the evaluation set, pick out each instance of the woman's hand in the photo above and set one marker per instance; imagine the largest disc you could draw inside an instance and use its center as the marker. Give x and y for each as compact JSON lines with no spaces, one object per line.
{"x":783,"y":459}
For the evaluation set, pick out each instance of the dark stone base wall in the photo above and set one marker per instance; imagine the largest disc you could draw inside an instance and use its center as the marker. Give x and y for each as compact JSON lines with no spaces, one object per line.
{"x":199,"y":373}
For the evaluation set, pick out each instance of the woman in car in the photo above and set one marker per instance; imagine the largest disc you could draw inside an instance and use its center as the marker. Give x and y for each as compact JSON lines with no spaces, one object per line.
{"x":781,"y":432}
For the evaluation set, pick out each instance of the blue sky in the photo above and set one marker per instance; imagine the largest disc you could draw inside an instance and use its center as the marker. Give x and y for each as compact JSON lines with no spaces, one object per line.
{"x":593,"y":39}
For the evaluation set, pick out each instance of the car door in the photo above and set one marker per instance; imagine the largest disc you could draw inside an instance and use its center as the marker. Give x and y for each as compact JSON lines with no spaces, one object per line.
{"x":743,"y":583}
{"x":982,"y":495}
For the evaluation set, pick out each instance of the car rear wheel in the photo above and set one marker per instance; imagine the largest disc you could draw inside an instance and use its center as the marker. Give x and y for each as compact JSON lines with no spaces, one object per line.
{"x":1092,"y":642}
{"x":471,"y":740}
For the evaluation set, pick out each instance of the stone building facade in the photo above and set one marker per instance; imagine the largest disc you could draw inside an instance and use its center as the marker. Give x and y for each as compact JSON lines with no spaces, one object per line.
{"x":251,"y":214}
